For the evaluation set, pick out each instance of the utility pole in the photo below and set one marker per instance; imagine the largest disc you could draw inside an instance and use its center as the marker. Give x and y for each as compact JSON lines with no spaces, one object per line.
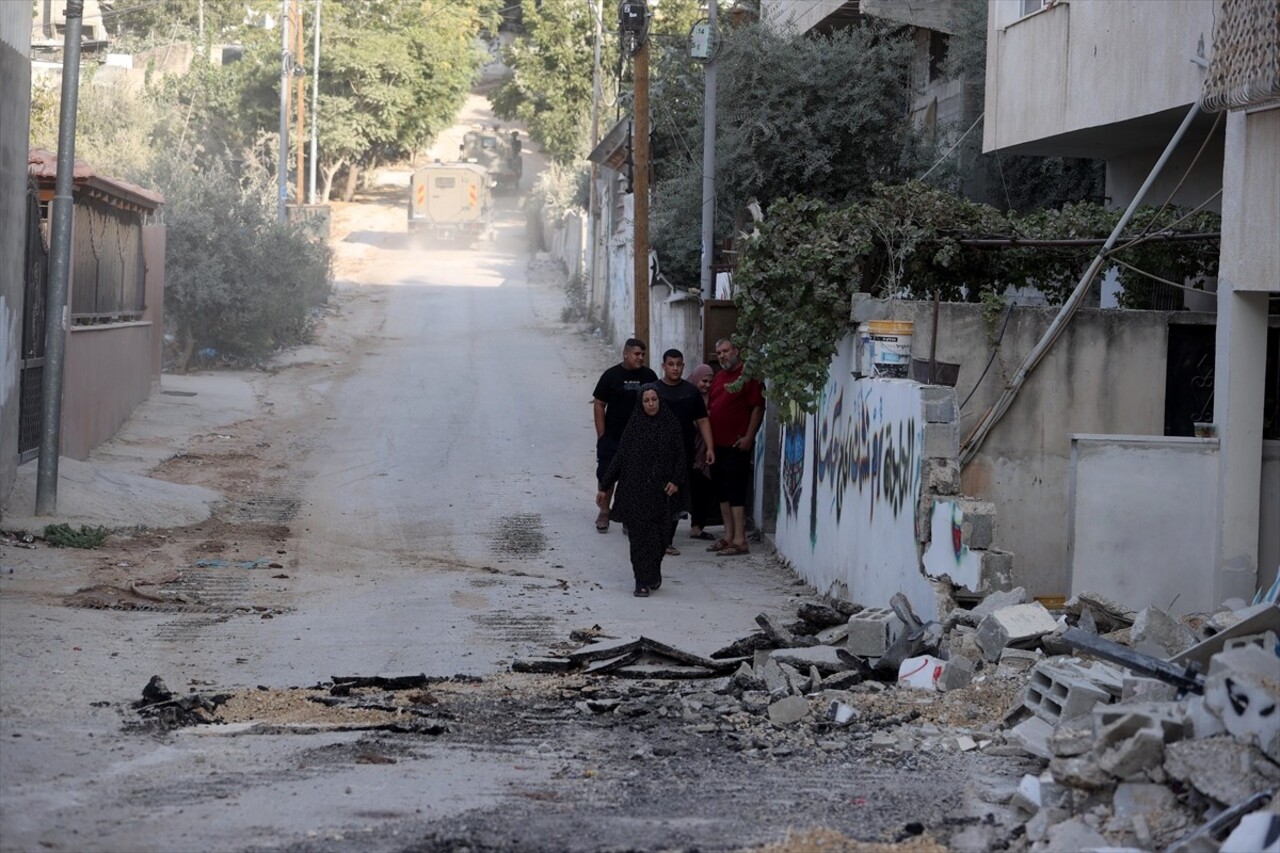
{"x":60,"y":221}
{"x":315,"y":101}
{"x":300,"y":97}
{"x":286,"y":69}
{"x":640,"y":143}
{"x":593,"y":210}
{"x":708,"y":285}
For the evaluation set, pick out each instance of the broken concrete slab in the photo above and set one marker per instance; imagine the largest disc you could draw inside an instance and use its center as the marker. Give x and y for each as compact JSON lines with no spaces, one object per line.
{"x":1129,"y":745}
{"x":1170,"y":718}
{"x":608,"y":665}
{"x":821,"y":616}
{"x":791,"y":709}
{"x":1221,"y":767}
{"x":1019,"y":660}
{"x":832,"y":636}
{"x":1080,"y":771}
{"x":667,"y":671}
{"x":1013,"y":626}
{"x":823,"y":657}
{"x":1072,"y":737}
{"x":1108,"y":615}
{"x":1074,"y":835}
{"x":779,"y":635}
{"x":994,"y":601}
{"x":1157,"y":633}
{"x":1032,"y":735}
{"x":541,"y":665}
{"x":956,"y":673}
{"x":775,"y":682}
{"x":797,"y":682}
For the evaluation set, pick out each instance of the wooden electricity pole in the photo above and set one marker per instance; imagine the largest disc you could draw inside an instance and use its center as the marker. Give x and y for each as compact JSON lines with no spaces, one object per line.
{"x":640,"y":186}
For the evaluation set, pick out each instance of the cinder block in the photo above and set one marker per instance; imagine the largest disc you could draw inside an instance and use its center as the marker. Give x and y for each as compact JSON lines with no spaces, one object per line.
{"x":1129,"y":745}
{"x":941,"y":440}
{"x":940,"y":476}
{"x":871,"y":631}
{"x":956,"y":673}
{"x":941,"y":410}
{"x":1059,"y":691}
{"x":1170,"y":718}
{"x":978,"y":526}
{"x":1012,"y":626}
{"x":1136,"y":688}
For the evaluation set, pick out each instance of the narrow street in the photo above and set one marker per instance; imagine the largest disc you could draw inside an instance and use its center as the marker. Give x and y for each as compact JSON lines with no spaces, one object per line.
{"x":421,"y":478}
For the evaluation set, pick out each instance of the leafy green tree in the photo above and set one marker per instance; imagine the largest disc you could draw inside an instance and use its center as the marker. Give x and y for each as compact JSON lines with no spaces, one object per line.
{"x":819,"y":115}
{"x":550,"y":86}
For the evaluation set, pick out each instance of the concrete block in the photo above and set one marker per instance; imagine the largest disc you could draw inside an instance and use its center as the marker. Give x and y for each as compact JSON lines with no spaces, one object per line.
{"x":1169,"y":717}
{"x":940,"y":476}
{"x":1155,"y":632}
{"x":941,"y":441}
{"x":1019,"y":660}
{"x":963,"y":642}
{"x":1013,"y":626}
{"x":995,"y":571}
{"x":993,"y":601}
{"x":1060,"y":690}
{"x":956,"y":673}
{"x":770,"y":673}
{"x":1243,"y":690}
{"x":790,"y":710}
{"x":872,"y":631}
{"x":978,"y":526}
{"x":1129,"y":745}
{"x":1072,"y":737}
{"x":1137,"y":688}
{"x":1081,"y":771}
{"x":942,"y":411}
{"x":797,"y":683}
{"x":1032,"y":735}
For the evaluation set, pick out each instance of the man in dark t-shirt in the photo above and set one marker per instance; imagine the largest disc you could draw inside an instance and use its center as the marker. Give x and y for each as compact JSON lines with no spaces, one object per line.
{"x":614,"y":400}
{"x":685,"y":400}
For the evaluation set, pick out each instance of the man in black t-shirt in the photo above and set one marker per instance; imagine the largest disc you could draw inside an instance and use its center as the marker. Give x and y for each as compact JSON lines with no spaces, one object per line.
{"x":614,"y":400}
{"x":685,"y":400}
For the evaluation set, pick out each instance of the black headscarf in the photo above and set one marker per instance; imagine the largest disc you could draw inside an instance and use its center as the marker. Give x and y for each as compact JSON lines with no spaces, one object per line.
{"x":650,"y":455}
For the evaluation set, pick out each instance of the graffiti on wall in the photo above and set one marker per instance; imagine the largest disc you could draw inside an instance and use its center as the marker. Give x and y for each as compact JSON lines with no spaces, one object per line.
{"x":853,"y":448}
{"x":947,"y":554}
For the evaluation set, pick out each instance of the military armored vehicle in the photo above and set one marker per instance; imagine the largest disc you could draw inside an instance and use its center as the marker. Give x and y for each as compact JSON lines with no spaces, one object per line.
{"x":498,"y":151}
{"x":451,"y":202}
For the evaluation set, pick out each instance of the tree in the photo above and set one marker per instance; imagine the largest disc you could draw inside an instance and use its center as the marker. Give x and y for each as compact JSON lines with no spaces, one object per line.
{"x":814,"y":115}
{"x":550,"y":86}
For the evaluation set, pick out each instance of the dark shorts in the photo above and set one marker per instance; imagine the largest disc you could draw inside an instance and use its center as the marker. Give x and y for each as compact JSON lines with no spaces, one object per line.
{"x":606,"y":447}
{"x":731,"y":475}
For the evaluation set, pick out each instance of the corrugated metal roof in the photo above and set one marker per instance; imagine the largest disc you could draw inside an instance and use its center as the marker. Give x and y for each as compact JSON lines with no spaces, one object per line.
{"x":43,"y":166}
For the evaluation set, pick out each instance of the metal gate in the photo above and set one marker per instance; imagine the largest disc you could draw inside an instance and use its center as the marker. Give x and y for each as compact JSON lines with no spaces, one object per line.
{"x":31,"y":365}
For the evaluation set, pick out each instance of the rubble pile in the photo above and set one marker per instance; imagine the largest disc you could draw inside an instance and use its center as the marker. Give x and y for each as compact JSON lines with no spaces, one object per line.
{"x":1153,"y":731}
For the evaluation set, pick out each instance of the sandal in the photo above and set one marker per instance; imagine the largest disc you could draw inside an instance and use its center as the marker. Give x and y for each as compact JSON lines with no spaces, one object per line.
{"x":642,"y":592}
{"x":719,"y":546}
{"x":673,"y":552}
{"x":653,"y":587}
{"x":709,"y":537}
{"x":734,"y":551}
{"x":602,"y":523}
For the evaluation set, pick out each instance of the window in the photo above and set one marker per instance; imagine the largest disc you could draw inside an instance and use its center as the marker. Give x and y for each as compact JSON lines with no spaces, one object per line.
{"x":1030,"y":6}
{"x":446,"y":183}
{"x":938,"y":44}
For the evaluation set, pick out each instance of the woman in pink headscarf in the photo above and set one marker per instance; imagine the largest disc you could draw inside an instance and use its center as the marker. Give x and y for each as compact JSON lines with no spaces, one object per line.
{"x":702,"y":504}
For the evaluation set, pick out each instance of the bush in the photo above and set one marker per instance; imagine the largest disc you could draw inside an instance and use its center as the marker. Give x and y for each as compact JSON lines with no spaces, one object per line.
{"x":236,"y":280}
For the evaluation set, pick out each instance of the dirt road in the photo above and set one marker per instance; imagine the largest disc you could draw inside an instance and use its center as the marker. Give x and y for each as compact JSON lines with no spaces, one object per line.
{"x":413,"y":494}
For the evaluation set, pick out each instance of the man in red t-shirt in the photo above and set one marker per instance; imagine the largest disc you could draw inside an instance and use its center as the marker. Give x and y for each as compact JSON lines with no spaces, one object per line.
{"x":735,"y":418}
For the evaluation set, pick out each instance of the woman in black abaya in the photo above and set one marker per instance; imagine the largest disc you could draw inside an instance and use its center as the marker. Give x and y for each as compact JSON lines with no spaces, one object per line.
{"x":651,"y":474}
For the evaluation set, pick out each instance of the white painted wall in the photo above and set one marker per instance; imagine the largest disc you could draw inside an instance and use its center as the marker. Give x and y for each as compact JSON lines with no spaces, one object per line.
{"x":798,"y":16}
{"x":1143,"y":517}
{"x":850,"y":482}
{"x":1089,"y":63}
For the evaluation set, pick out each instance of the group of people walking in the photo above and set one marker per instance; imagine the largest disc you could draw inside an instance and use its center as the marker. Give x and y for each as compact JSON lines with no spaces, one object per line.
{"x":669,"y":446}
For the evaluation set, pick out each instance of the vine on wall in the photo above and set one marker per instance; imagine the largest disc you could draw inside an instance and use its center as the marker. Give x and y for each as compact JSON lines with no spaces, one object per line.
{"x":798,"y":273}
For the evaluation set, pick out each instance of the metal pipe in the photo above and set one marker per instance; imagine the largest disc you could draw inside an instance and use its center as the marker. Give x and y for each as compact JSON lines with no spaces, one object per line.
{"x":708,"y":286}
{"x":993,"y":415}
{"x":315,"y":104}
{"x":61,"y":217}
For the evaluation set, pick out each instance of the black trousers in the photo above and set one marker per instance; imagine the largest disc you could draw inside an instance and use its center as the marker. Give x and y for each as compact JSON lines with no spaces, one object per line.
{"x":648,"y":541}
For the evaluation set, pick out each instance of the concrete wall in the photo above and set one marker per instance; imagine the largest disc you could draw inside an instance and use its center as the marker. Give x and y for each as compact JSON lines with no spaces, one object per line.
{"x":796,"y":15}
{"x":1105,"y":375}
{"x":1142,"y":520}
{"x":1251,"y":221}
{"x":15,"y":112}
{"x":1078,"y":65}
{"x":566,"y":240}
{"x":1144,"y":515}
{"x":108,"y":373}
{"x":850,"y":483}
